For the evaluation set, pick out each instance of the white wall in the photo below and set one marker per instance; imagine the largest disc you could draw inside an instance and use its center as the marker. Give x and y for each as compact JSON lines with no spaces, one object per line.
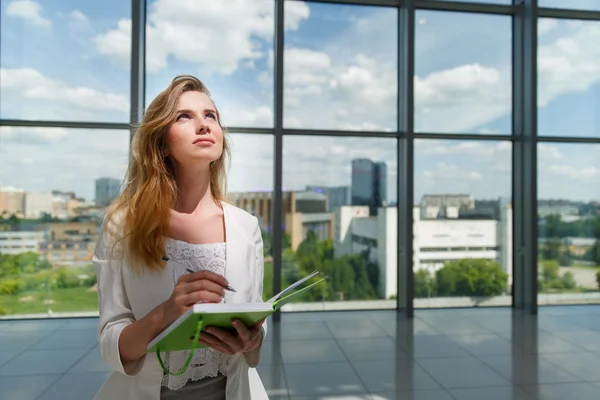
{"x":434,"y":241}
{"x":37,"y":203}
{"x":20,"y":242}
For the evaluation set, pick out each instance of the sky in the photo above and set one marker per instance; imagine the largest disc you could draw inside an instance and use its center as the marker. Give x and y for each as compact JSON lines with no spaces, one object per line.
{"x":69,"y":60}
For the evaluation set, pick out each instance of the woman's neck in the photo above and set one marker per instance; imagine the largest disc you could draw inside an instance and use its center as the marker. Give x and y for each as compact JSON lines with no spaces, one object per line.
{"x":195,"y":194}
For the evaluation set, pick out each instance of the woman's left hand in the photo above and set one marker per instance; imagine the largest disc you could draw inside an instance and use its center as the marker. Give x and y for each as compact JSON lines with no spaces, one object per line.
{"x":226,"y":342}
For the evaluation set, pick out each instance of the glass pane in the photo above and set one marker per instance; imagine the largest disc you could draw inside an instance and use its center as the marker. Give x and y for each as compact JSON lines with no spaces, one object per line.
{"x":481,"y":1}
{"x":462,"y":223}
{"x":250,"y":187}
{"x":463,"y":73}
{"x":340,"y":67}
{"x":65,"y":61}
{"x":590,"y":5}
{"x":568,"y":79}
{"x":339,"y":217}
{"x":568,"y":223}
{"x":55,"y":183}
{"x":226,"y":44}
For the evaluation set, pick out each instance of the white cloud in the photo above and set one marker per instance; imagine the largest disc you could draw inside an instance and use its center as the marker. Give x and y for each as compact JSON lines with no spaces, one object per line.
{"x":34,"y":135}
{"x":29,"y":11}
{"x":445,"y":172}
{"x":217,"y":36}
{"x":460,"y":98}
{"x":30,"y":84}
{"x":586,"y":174}
{"x":261,"y":116}
{"x":78,"y":16}
{"x":546,"y":25}
{"x":475,"y":149}
{"x":295,"y":13}
{"x":569,"y":63}
{"x":69,"y":160}
{"x":116,"y":45}
{"x":320,"y":93}
{"x":549,"y":153}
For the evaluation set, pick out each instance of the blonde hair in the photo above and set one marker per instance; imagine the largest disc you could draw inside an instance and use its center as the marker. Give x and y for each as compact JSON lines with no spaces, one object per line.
{"x":149,"y":188}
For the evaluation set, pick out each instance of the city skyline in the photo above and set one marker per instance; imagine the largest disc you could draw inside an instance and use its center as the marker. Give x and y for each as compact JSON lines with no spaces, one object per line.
{"x":338,"y":58}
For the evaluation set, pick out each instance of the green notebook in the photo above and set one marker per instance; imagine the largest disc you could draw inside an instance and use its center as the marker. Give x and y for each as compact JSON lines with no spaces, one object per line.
{"x":177,"y":335}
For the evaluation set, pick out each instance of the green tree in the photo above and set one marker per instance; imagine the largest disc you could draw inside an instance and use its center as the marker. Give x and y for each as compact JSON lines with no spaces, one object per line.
{"x":471,"y":277}
{"x":551,"y":249}
{"x":424,"y":284}
{"x":566,"y":258}
{"x":549,"y":277}
{"x":598,"y":278}
{"x":552,"y":226}
{"x":372,"y":269}
{"x":567,"y":281}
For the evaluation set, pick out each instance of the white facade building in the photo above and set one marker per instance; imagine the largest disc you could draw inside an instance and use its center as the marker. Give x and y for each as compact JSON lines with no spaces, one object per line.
{"x":38,"y":203}
{"x":435,"y":241}
{"x":21,"y":242}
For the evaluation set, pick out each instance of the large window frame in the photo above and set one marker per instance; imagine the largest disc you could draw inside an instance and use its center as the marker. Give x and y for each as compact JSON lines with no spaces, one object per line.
{"x":524,"y":137}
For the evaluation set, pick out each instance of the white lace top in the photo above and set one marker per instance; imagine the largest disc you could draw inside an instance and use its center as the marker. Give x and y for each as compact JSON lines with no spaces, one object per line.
{"x":206,"y":362}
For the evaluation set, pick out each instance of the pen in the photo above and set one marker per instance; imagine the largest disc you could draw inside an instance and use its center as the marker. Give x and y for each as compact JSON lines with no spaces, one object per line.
{"x":228,"y":287}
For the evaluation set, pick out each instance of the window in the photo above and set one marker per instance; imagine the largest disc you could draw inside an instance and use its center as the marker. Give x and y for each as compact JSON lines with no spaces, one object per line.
{"x":462,"y":223}
{"x":351,"y":183}
{"x":463,"y":75}
{"x":590,"y":5}
{"x":67,"y":61}
{"x":507,"y":2}
{"x":340,"y":67}
{"x":227,"y":45}
{"x":568,"y":223}
{"x":568,"y":80}
{"x":50,"y":194}
{"x":250,"y":187}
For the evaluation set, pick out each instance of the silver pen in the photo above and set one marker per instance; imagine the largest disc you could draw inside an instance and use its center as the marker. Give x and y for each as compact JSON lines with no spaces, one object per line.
{"x":228,"y":287}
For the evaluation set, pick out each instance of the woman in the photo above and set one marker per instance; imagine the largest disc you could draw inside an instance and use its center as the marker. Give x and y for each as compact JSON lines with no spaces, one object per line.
{"x":171,"y":208}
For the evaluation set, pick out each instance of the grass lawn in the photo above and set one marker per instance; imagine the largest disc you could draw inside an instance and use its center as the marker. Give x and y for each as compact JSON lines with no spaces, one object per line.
{"x":63,"y":300}
{"x":588,"y":267}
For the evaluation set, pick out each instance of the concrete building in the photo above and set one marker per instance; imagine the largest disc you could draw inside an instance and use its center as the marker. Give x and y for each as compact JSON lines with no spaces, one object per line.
{"x":337,"y":196}
{"x":435,"y":241}
{"x":369,"y":184}
{"x":12,"y":202}
{"x":445,"y":205}
{"x":302,"y":211}
{"x":38,"y":203}
{"x":107,"y":189}
{"x":16,"y":242}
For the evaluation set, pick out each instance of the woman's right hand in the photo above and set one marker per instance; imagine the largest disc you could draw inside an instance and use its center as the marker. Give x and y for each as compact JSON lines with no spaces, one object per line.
{"x":196,"y":287}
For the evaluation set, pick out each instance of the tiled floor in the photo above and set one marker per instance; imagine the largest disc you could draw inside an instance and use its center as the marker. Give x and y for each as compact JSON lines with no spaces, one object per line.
{"x":474,"y":354}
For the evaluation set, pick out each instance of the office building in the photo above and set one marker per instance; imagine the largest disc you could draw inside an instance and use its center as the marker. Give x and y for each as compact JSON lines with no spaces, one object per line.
{"x":107,"y":189}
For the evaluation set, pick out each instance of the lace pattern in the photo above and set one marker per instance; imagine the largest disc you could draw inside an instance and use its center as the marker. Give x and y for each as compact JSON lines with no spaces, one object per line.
{"x":205,"y":362}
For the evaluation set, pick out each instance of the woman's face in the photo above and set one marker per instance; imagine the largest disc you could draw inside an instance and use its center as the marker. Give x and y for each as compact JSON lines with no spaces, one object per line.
{"x":196,"y":137}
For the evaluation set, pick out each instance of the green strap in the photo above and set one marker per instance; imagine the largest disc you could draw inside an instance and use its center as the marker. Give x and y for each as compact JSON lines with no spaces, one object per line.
{"x":189,"y":359}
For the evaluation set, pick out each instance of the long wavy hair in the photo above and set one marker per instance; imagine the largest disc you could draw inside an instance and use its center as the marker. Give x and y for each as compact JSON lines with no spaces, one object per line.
{"x":149,"y":190}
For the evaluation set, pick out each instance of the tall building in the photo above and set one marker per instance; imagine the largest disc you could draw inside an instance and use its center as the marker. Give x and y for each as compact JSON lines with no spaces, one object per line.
{"x":107,"y":189}
{"x":337,"y":196}
{"x":12,"y":201}
{"x":302,"y":211}
{"x":369,"y":186}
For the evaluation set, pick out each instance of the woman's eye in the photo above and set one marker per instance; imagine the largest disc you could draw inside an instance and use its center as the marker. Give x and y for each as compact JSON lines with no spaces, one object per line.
{"x":211,"y":115}
{"x":182,"y":115}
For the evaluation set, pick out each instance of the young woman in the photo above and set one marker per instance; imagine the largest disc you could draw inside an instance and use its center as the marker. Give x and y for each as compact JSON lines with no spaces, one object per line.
{"x":172,"y":208}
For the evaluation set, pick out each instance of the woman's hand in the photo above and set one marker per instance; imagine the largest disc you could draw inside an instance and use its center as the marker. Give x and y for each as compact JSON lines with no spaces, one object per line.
{"x":197,"y":287}
{"x":245,"y":341}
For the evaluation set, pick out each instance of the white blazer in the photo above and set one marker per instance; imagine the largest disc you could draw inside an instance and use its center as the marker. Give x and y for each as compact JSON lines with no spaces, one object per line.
{"x":125,"y":297}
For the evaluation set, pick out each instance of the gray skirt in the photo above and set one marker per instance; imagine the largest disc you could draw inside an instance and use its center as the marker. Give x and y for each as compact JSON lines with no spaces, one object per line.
{"x":204,"y":389}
